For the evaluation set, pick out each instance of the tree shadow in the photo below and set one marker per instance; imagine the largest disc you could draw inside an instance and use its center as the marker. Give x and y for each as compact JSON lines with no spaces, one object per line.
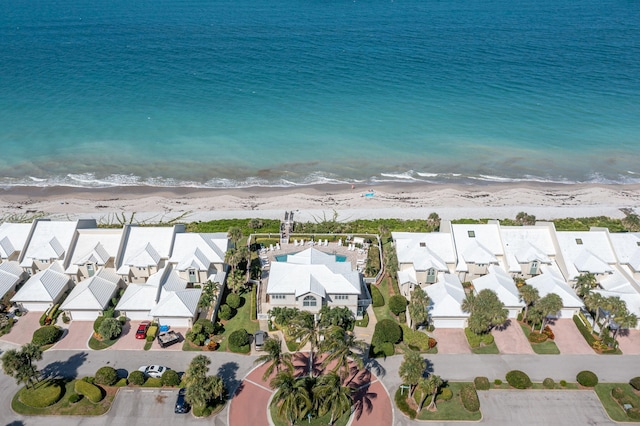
{"x":65,"y":369}
{"x":372,"y":364}
{"x":228,"y":373}
{"x":363,"y":401}
{"x":301,"y":364}
{"x":428,"y":369}
{"x":503,"y":326}
{"x":122,"y":373}
{"x":624,"y":332}
{"x":16,"y":423}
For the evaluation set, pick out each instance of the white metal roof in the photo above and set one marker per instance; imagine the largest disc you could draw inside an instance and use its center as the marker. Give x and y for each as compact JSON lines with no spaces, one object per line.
{"x":45,"y":286}
{"x":13,"y":237}
{"x":145,"y":296}
{"x":478,"y":243}
{"x":407,"y":276}
{"x":425,"y":250}
{"x":145,"y":246}
{"x":198,"y":251}
{"x":627,"y":248}
{"x":525,"y":244}
{"x":178,"y":304}
{"x":631,"y":299}
{"x":587,"y":251}
{"x":93,"y":293}
{"x":446,"y":297}
{"x":617,"y":282}
{"x":50,"y":240}
{"x":95,"y":246}
{"x":10,"y":275}
{"x":552,"y":282}
{"x":501,"y":283}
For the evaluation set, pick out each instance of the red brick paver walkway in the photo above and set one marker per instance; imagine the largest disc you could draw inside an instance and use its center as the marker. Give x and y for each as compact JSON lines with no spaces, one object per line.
{"x":510,"y":339}
{"x":77,"y":336}
{"x":451,"y":341}
{"x":22,"y":331}
{"x":568,"y":338}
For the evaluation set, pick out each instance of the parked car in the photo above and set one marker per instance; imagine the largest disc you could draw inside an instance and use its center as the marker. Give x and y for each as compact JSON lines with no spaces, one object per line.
{"x":259,"y":338}
{"x":182,"y":406}
{"x":141,"y":333}
{"x":154,"y":371}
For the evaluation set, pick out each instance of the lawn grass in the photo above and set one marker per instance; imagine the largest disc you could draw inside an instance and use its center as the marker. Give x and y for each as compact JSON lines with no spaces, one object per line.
{"x":545,"y":348}
{"x":483,"y":344}
{"x":449,"y":410}
{"x":613,"y":408}
{"x":84,"y":407}
{"x":152,"y":382}
{"x":491,"y":349}
{"x":416,"y":340}
{"x":98,"y":345}
{"x":383,"y":312}
{"x":190,"y":347}
{"x":320,"y":421}
{"x":242,"y":319}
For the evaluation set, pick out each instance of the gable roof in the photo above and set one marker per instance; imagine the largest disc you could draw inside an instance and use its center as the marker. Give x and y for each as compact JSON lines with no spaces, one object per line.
{"x":10,"y":274}
{"x":145,"y":296}
{"x":446,"y":297}
{"x":500,"y":283}
{"x":13,"y":237}
{"x":50,"y":240}
{"x":96,"y":246}
{"x":425,"y":250}
{"x":551,"y":282}
{"x":181,"y":304}
{"x":198,"y":251}
{"x":93,"y":293}
{"x":145,"y":246}
{"x":587,"y":251}
{"x":478,"y":243}
{"x":627,"y":248}
{"x":618,"y":283}
{"x":45,"y":286}
{"x":524,"y":244}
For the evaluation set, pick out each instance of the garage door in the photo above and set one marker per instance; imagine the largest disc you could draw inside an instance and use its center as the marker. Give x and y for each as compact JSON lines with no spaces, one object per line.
{"x":449,"y":323}
{"x":513,"y":312}
{"x":175,"y":322}
{"x":36,"y":307}
{"x":84,"y":315}
{"x":139,"y":315}
{"x":568,"y":313}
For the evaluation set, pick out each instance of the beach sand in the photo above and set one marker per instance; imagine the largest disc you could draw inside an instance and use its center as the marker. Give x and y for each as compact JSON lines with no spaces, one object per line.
{"x":397,"y":200}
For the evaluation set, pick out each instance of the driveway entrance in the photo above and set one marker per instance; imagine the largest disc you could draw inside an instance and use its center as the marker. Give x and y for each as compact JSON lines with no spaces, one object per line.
{"x":510,"y":339}
{"x":629,"y":341}
{"x":568,"y":338}
{"x":76,"y":336}
{"x":451,"y":341}
{"x":22,"y":330}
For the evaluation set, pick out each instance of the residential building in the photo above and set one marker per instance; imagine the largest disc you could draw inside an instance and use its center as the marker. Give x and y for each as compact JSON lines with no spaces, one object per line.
{"x":94,"y":249}
{"x":199,"y":258}
{"x":13,"y":238}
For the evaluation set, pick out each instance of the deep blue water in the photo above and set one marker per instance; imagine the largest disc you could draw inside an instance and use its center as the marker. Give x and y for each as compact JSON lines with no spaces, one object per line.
{"x":221,"y":93}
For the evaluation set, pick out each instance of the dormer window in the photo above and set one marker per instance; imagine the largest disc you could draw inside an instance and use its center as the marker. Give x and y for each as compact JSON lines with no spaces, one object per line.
{"x":423,"y":244}
{"x":472,"y":234}
{"x":579,"y":241}
{"x":90,"y":269}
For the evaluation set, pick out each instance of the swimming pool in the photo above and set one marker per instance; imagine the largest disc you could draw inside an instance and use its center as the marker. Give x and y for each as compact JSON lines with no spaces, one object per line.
{"x":283,"y":257}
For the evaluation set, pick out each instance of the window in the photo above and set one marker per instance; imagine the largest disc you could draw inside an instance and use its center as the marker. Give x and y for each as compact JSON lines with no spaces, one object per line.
{"x":278,"y":296}
{"x":341,"y":297}
{"x":534,"y":268}
{"x":90,"y":269}
{"x":579,"y":241}
{"x":472,"y":234}
{"x":192,"y":275}
{"x":423,"y":244}
{"x":431,"y":275}
{"x":309,"y":301}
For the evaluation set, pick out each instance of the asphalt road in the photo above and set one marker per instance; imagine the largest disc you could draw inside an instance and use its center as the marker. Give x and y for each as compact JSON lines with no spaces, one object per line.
{"x":139,"y":410}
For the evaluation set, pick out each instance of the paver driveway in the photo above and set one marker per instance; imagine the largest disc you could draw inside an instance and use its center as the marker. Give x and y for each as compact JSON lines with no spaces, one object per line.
{"x":510,"y":339}
{"x":451,"y":341}
{"x":127,"y":340}
{"x":568,"y":338}
{"x":182,"y":331}
{"x":22,"y":331}
{"x":77,"y":336}
{"x":629,"y":341}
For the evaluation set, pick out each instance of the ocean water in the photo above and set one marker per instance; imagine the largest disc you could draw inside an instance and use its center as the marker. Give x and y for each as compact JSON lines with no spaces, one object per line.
{"x":218,"y":93}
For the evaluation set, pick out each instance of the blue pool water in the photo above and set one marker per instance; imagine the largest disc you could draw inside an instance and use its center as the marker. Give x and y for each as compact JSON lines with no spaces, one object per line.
{"x":283,"y":258}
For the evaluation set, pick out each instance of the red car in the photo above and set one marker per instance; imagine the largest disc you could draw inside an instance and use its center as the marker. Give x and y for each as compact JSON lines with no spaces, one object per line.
{"x":142,"y":330}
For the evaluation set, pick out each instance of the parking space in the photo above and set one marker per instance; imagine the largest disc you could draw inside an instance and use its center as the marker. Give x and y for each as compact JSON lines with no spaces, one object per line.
{"x":127,"y":340}
{"x":629,"y":341}
{"x":508,"y":407}
{"x":510,"y":339}
{"x":148,"y":406}
{"x":182,"y":331}
{"x":568,"y":338}
{"x":451,"y":341}
{"x":22,"y":331}
{"x":76,"y":336}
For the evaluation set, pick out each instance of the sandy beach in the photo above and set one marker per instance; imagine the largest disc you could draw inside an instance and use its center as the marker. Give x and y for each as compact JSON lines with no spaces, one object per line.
{"x":407,"y":201}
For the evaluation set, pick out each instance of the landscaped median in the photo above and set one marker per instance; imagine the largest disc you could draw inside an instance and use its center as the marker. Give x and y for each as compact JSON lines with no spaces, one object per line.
{"x":456,"y":401}
{"x":541,"y":343}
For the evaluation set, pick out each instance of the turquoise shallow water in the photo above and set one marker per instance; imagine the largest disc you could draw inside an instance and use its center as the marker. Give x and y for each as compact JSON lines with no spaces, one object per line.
{"x":255,"y":92}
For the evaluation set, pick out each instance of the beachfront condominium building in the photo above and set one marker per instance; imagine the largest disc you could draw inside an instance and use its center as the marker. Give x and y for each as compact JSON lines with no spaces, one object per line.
{"x":94,"y":249}
{"x":477,"y":246}
{"x":199,"y":258}
{"x":312,"y":279}
{"x":13,"y":238}
{"x":528,"y":248}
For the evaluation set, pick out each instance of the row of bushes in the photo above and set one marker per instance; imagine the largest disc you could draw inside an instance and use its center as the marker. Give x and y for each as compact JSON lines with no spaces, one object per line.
{"x":622,"y":398}
{"x":51,"y":315}
{"x":403,"y":405}
{"x":92,"y":392}
{"x":596,"y":344}
{"x":520,"y":380}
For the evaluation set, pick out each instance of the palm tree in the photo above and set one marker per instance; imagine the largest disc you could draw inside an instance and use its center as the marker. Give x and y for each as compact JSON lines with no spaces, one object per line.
{"x":197,"y":370}
{"x":291,"y":397}
{"x":308,"y":330}
{"x":235,"y":234}
{"x":433,"y":384}
{"x":548,"y":305}
{"x":418,"y":307}
{"x":216,"y":387}
{"x":232,"y":258}
{"x":625,"y":321}
{"x":594,"y":301}
{"x":585,"y":283}
{"x":331,"y":396}
{"x":343,"y":346}
{"x":529,"y":295}
{"x":469,"y":302}
{"x":412,"y":369}
{"x":275,"y":356}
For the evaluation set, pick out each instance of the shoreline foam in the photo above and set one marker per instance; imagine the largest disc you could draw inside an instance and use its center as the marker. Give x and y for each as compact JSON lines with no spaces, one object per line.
{"x":316,"y":202}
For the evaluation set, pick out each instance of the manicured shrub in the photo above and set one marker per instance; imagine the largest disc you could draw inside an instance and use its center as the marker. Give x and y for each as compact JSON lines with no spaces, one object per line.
{"x":496,"y":382}
{"x":397,"y":304}
{"x":225,"y":313}
{"x":44,"y":394}
{"x":548,"y":383}
{"x":43,"y":318}
{"x":446,"y":394}
{"x":547,"y":330}
{"x":92,"y":392}
{"x":376,"y":297}
{"x":110,"y":328}
{"x":121,"y":382}
{"x":239,"y":341}
{"x":89,"y":379}
{"x":587,"y":378}
{"x":469,"y":398}
{"x":401,"y":403}
{"x":170,"y":378}
{"x":387,"y":331}
{"x":518,"y":379}
{"x":233,"y":300}
{"x":432,"y":343}
{"x":97,"y":323}
{"x":74,"y":397}
{"x":634,"y":413}
{"x":563,"y":383}
{"x":617,"y":393}
{"x":106,"y":375}
{"x":387,"y":348}
{"x":46,"y":335}
{"x":136,"y":378}
{"x":149,"y":339}
{"x":535,"y":337}
{"x":482,"y":383}
{"x":635,"y":383}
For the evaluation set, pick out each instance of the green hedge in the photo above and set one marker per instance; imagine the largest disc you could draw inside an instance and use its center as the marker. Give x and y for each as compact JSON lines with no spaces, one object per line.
{"x":106,"y":376}
{"x":584,"y":331}
{"x":97,"y":323}
{"x":397,"y":304}
{"x":152,"y":331}
{"x":548,"y":383}
{"x":446,"y":394}
{"x":376,"y":297}
{"x":635,"y":383}
{"x":587,"y":378}
{"x":387,"y":331}
{"x":469,"y":398}
{"x":92,"y":392}
{"x":136,"y":378}
{"x":233,"y":300}
{"x":170,"y":378}
{"x":518,"y":379}
{"x":482,"y":383}
{"x":475,"y":340}
{"x":44,"y":394}
{"x":46,"y":335}
{"x":401,"y":403}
